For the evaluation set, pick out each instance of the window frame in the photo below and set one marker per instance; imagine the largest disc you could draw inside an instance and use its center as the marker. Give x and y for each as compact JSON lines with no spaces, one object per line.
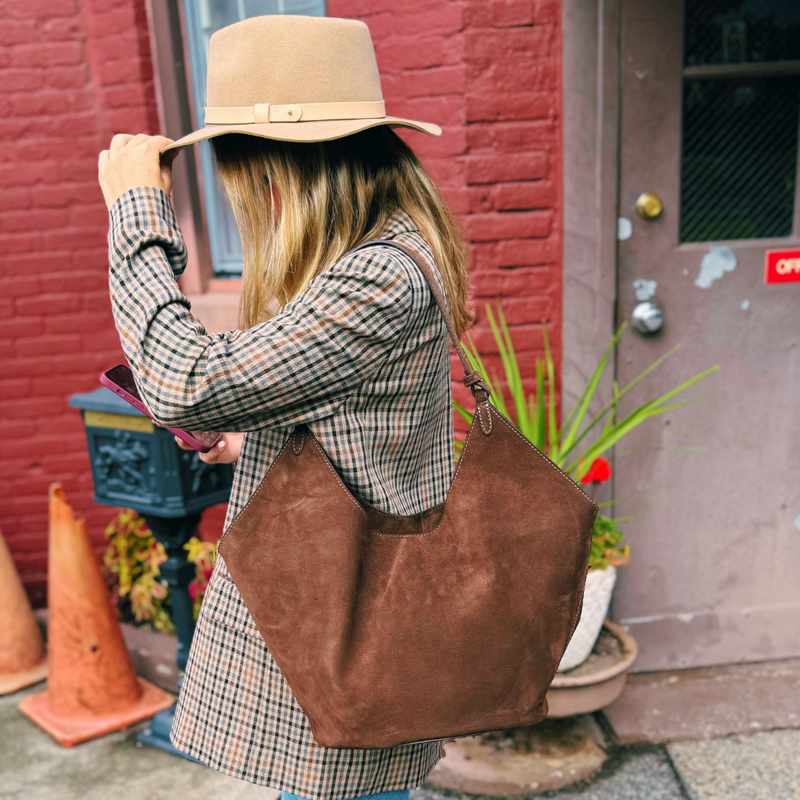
{"x":177,"y":115}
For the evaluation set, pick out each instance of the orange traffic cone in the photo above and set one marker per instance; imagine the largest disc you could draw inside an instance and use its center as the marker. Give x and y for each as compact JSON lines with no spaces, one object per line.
{"x":92,"y":689}
{"x":22,"y":658}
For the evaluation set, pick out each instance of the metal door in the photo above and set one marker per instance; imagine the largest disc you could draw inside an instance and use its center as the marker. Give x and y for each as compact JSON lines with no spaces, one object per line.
{"x":710,"y":111}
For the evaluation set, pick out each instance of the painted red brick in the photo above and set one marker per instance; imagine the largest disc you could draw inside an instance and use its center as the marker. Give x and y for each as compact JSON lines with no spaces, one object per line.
{"x":66,"y":194}
{"x":25,"y":174}
{"x":39,"y":9}
{"x":18,"y":327}
{"x":525,"y":337}
{"x":418,"y":53}
{"x":516,"y":75}
{"x":15,"y":198}
{"x":59,"y":29}
{"x":519,"y":310}
{"x":45,"y":54}
{"x":511,"y":13}
{"x":446,"y":18}
{"x":432,"y":81}
{"x":75,"y":72}
{"x":49,"y":304}
{"x":529,"y":194}
{"x":548,"y":12}
{"x":67,"y":77}
{"x":523,"y":105}
{"x":526,"y":252}
{"x":53,"y":226}
{"x":513,"y":283}
{"x":499,"y":167}
{"x":489,"y":45}
{"x":21,"y":286}
{"x":498,"y":227}
{"x":29,"y":220}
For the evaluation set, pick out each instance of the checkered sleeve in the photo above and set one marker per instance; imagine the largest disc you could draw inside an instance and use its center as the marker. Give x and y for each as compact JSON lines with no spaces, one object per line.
{"x":298,"y":366}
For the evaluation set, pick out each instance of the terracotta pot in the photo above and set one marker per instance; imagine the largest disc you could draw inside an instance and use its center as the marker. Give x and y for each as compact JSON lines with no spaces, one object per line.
{"x":588,"y":692}
{"x":555,"y":753}
{"x":596,"y":599}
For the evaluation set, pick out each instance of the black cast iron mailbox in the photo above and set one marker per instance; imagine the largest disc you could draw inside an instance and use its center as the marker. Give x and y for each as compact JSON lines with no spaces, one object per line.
{"x":137,"y":464}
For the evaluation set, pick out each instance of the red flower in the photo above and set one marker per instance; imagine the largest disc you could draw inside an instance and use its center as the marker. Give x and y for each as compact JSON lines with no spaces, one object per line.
{"x":599,"y":472}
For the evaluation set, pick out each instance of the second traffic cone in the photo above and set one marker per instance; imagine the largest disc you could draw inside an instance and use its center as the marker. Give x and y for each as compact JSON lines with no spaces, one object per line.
{"x":92,"y":688}
{"x":22,"y":658}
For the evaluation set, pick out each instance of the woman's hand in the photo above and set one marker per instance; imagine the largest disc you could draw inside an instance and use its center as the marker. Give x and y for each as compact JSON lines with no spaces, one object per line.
{"x":134,"y":161}
{"x":225,"y":451}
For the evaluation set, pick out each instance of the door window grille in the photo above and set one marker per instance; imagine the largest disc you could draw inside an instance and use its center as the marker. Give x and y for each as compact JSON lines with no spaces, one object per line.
{"x":203,"y":18}
{"x":741,"y":116}
{"x":737,"y":31}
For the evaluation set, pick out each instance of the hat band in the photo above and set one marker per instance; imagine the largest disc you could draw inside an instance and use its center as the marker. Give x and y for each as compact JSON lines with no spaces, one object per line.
{"x":293,"y":112}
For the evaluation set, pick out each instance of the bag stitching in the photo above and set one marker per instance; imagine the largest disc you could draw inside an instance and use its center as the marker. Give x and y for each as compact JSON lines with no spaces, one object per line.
{"x":358,"y":505}
{"x":400,"y":516}
{"x":298,"y":439}
{"x":554,"y":466}
{"x":480,"y":417}
{"x":328,"y":464}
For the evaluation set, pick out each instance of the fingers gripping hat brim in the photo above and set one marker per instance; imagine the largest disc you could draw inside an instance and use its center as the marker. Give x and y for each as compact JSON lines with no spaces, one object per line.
{"x":317,"y":131}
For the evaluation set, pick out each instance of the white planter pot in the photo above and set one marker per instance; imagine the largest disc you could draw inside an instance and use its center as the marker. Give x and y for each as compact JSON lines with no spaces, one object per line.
{"x":596,"y":599}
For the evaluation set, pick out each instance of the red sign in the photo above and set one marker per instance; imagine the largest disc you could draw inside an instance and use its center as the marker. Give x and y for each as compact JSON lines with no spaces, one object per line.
{"x":782,"y":266}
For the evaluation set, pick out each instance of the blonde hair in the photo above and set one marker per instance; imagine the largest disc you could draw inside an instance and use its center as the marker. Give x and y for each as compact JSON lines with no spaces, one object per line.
{"x":331,"y":197}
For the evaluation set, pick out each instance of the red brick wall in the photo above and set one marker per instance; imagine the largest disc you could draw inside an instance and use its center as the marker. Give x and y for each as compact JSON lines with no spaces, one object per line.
{"x":74,"y":72}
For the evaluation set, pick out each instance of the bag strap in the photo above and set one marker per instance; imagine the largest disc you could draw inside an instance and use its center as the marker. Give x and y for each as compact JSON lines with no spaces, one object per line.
{"x":472,"y":378}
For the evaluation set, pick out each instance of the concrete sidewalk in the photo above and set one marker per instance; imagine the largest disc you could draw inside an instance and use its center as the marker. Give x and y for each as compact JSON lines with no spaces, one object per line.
{"x":114,"y":767}
{"x":761,"y":766}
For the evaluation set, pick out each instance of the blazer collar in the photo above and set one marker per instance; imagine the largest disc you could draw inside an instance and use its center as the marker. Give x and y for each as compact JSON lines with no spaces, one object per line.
{"x":398,"y":222}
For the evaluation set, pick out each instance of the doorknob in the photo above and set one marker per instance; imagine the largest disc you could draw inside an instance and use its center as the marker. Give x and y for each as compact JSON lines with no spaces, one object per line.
{"x":647,"y":317}
{"x":649,"y":205}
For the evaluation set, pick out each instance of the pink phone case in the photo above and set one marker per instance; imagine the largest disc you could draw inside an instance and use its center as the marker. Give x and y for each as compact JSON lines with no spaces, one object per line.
{"x":137,"y":403}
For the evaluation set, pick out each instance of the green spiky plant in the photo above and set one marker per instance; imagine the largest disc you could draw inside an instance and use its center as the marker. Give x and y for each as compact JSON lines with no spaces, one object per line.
{"x":567,"y":444}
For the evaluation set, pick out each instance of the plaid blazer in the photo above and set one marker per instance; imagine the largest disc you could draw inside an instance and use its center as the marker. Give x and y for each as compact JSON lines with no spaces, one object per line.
{"x":363,"y":357}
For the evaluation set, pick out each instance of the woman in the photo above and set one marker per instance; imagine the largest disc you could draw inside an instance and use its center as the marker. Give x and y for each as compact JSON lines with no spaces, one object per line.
{"x":351,"y":343}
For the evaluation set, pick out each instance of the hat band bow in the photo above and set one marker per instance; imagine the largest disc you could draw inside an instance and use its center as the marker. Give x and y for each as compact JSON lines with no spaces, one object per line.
{"x":293,"y":112}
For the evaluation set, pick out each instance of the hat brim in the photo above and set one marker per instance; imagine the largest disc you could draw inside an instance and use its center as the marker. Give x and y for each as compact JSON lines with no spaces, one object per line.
{"x":316,"y":131}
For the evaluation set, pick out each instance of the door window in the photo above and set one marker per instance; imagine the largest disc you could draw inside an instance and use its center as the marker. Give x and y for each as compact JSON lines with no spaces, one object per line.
{"x":741,"y":116}
{"x":203,"y":18}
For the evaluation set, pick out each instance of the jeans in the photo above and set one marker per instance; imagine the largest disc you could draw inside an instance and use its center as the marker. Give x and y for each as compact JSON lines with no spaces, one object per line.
{"x":395,"y":794}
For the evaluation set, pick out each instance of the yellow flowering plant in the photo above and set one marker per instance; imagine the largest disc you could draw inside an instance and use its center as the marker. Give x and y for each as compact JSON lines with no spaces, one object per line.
{"x":131,"y":564}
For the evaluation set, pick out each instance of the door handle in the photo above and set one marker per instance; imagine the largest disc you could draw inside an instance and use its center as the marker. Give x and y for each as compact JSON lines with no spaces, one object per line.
{"x":647,"y":317}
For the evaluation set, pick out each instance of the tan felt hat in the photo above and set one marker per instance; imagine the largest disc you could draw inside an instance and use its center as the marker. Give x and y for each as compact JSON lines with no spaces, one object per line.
{"x":294,"y":78}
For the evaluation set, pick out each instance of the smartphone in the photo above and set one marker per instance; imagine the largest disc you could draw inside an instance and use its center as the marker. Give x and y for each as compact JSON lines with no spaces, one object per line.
{"x":120,"y":381}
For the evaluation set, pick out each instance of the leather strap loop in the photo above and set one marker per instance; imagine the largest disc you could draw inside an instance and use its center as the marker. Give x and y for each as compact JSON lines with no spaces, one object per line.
{"x":472,"y":378}
{"x":299,"y":438}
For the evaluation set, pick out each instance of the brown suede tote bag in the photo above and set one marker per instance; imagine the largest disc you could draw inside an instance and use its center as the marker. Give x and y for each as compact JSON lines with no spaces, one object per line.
{"x":392,"y":630}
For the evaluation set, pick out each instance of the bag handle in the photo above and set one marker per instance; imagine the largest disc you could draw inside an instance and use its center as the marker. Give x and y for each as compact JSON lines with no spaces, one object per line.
{"x":472,"y":378}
